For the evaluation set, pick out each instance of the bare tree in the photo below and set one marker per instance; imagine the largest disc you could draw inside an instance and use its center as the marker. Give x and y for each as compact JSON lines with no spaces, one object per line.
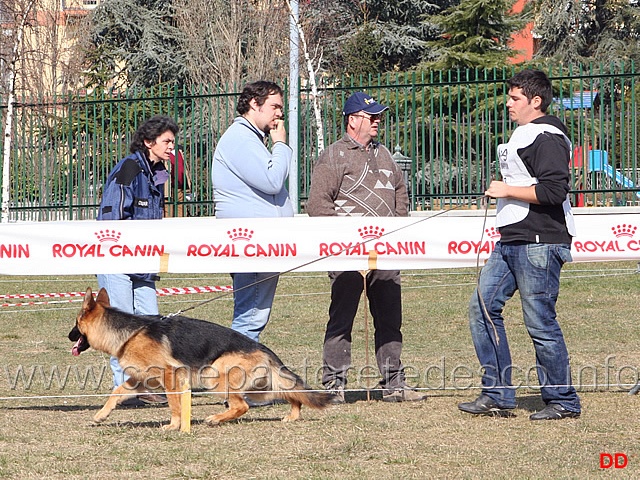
{"x":20,"y":17}
{"x":311,"y":71}
{"x":48,"y":60}
{"x":37,"y":61}
{"x":231,"y":42}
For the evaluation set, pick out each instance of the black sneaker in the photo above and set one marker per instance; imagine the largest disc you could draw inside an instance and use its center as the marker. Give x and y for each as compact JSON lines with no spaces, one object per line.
{"x":337,"y":395}
{"x":483,"y":405}
{"x":145,"y":399}
{"x":133,"y":402}
{"x":151,"y":398}
{"x":553,"y":411}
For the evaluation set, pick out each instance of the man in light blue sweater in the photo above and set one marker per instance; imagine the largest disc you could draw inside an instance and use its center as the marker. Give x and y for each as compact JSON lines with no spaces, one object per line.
{"x":249,"y":182}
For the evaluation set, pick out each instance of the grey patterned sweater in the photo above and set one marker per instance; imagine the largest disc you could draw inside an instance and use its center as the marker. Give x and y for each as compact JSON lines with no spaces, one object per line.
{"x":348,"y":180}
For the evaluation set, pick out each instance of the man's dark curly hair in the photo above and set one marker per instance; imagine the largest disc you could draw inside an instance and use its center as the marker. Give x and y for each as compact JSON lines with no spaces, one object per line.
{"x":150,"y":130}
{"x":259,"y":90}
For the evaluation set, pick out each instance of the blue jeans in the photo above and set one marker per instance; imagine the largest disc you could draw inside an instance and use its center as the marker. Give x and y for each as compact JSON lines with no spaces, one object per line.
{"x":534,"y":270}
{"x":253,"y":295}
{"x":130,"y":295}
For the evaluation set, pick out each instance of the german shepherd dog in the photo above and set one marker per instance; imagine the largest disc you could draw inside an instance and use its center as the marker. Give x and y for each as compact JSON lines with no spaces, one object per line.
{"x":160,"y":352}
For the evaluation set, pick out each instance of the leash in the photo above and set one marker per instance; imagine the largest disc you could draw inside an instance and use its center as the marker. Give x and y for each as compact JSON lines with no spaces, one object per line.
{"x":315,"y":260}
{"x":483,"y":305}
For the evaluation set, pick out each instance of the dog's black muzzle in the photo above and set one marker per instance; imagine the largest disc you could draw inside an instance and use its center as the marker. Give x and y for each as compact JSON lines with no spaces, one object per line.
{"x":81,"y":344}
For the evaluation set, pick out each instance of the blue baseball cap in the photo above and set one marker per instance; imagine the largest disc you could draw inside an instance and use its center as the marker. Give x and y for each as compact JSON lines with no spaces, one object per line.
{"x":361,"y":102}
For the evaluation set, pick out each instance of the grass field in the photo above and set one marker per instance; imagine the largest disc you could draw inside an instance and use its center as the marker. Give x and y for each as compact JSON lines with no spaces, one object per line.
{"x":48,"y":397}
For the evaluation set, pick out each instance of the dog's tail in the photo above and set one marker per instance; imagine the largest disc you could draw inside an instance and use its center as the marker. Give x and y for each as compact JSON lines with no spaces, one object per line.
{"x":285,"y":385}
{"x":290,"y":387}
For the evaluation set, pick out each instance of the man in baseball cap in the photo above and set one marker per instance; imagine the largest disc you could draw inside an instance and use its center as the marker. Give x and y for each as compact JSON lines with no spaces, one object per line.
{"x":357,"y":177}
{"x":362,"y":116}
{"x":361,"y":102}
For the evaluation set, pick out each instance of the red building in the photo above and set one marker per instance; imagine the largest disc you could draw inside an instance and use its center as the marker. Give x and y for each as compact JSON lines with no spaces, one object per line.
{"x":523,"y":42}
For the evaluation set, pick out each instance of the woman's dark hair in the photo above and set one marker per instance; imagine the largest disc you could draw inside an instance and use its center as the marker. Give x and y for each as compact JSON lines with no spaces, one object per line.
{"x":259,"y":90}
{"x":533,"y":83}
{"x":150,"y":130}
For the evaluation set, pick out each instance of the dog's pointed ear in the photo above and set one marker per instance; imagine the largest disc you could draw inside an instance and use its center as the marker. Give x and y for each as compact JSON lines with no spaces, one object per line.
{"x":103,"y":298}
{"x":88,"y":303}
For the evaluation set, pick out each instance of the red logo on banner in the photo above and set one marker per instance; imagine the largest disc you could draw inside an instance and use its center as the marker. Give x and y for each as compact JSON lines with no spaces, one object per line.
{"x":248,"y":250}
{"x":14,"y":250}
{"x":240,"y":234}
{"x":624,"y":230}
{"x":474,"y":247}
{"x":97,"y":250}
{"x":492,"y":232}
{"x":108,"y":235}
{"x":624,"y":241}
{"x":369,"y":235}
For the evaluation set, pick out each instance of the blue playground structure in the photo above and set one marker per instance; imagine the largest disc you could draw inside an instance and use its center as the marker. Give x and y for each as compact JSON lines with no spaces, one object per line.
{"x":599,"y":162}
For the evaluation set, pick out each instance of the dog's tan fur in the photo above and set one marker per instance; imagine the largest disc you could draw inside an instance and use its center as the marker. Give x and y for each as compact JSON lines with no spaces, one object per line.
{"x":151,"y":364}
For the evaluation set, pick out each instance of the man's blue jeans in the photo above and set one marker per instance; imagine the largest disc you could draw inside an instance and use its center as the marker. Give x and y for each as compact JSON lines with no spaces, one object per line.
{"x":533,"y":270}
{"x":253,"y":295}
{"x":130,"y":295}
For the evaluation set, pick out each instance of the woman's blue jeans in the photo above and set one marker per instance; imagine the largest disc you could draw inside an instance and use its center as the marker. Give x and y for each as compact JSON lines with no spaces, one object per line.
{"x":130,"y":295}
{"x":253,"y":295}
{"x":533,"y":270}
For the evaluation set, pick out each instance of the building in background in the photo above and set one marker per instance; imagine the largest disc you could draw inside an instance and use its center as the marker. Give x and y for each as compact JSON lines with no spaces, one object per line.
{"x":523,"y":41}
{"x":48,"y":61}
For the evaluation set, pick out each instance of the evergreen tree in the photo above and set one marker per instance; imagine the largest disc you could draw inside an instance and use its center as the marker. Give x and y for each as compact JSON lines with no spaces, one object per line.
{"x":361,"y":52}
{"x":475,"y":34}
{"x":579,"y":31}
{"x":370,"y":36}
{"x":134,"y":43}
{"x":404,"y":28}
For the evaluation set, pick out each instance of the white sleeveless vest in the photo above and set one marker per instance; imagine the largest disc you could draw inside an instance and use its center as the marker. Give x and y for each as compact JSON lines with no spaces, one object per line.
{"x":515,"y":173}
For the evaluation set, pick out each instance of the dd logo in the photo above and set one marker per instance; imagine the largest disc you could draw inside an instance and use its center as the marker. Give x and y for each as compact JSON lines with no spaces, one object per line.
{"x":616,"y":460}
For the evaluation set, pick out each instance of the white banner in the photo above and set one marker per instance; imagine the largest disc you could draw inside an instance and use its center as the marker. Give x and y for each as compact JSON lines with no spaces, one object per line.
{"x":207,"y":245}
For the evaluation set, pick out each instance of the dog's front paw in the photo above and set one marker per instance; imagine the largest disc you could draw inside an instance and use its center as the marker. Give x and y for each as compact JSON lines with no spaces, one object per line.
{"x":171,"y":427}
{"x":101,"y":416}
{"x":212,"y":421}
{"x":291,"y":418}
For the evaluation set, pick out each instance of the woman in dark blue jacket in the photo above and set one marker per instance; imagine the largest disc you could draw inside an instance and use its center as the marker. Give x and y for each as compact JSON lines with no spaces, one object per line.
{"x":134,"y":190}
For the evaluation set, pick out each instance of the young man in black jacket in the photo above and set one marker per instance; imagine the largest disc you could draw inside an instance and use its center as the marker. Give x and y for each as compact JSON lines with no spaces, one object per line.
{"x":536,"y":226}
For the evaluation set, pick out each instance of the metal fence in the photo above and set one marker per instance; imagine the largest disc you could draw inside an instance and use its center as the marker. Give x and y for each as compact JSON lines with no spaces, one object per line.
{"x":443,"y":128}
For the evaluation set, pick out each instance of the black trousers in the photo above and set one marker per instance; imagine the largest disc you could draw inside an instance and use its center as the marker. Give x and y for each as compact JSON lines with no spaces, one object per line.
{"x":385,"y":304}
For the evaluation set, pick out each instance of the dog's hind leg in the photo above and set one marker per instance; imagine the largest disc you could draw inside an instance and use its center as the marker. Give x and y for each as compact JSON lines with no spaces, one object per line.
{"x":294,"y":414}
{"x":237,"y":408}
{"x":119,"y":395}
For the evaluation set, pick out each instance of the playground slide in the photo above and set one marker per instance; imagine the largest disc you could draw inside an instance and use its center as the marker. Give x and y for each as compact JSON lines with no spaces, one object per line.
{"x":619,"y":178}
{"x":598,"y":163}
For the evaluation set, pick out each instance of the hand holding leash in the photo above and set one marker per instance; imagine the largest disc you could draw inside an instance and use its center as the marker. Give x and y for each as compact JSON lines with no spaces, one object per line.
{"x":497,"y":189}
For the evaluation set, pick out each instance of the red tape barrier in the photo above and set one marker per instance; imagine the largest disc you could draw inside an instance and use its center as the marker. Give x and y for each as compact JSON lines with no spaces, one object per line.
{"x":161,"y":292}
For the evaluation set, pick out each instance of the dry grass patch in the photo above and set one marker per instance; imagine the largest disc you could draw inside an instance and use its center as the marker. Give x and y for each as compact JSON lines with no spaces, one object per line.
{"x":52,"y":436}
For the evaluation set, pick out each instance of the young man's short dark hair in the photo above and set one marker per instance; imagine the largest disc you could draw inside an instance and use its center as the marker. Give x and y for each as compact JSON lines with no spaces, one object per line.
{"x":534,"y":83}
